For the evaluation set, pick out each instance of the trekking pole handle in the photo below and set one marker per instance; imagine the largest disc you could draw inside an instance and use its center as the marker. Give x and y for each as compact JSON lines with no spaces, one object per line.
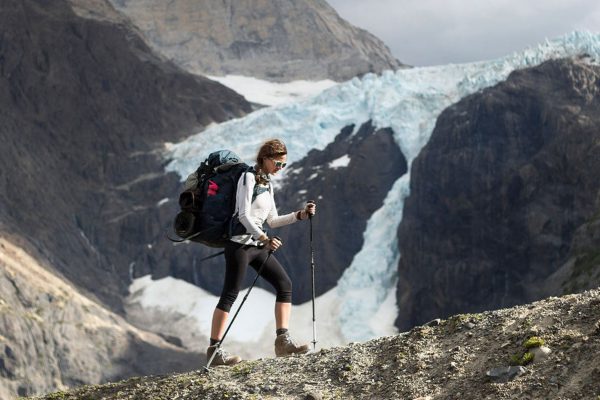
{"x":271,"y":251}
{"x":307,"y":203}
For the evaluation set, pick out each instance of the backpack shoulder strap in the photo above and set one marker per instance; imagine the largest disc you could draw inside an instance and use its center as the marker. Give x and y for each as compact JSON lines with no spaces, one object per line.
{"x":248,"y":169}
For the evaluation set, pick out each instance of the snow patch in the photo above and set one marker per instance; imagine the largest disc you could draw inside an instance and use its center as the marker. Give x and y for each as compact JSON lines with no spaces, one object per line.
{"x":272,"y":93}
{"x":162,"y":202}
{"x":341,"y":162}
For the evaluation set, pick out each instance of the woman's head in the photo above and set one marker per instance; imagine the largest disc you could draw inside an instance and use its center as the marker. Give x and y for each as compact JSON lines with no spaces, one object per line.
{"x":272,"y":156}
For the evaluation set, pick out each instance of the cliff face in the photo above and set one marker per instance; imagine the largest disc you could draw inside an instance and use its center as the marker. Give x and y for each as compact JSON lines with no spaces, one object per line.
{"x":498,"y":193}
{"x":279,"y":40}
{"x":581,"y":271}
{"x":85,"y":108}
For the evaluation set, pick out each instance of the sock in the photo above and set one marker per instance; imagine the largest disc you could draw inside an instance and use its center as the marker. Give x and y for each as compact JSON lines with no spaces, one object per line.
{"x":281,"y":331}
{"x":213,"y":341}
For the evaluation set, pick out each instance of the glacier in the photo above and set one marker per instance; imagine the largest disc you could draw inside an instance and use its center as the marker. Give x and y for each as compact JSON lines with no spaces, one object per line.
{"x":267,"y":93}
{"x":408,"y":101}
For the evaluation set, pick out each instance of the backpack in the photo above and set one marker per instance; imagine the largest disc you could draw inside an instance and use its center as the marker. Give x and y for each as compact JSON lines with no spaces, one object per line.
{"x":208,"y":201}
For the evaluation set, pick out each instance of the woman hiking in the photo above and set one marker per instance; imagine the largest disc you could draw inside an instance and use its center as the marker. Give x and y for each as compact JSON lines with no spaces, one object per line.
{"x":255,"y":205}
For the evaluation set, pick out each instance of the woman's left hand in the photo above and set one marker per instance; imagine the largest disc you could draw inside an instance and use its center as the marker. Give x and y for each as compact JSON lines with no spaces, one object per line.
{"x":310,"y":209}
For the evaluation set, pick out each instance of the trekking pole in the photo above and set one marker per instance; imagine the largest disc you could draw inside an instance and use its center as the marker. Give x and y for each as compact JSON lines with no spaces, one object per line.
{"x":312,"y":269}
{"x":206,"y":369}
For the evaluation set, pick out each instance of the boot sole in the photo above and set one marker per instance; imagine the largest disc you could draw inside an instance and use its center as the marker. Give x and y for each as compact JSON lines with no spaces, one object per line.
{"x":292,"y":354}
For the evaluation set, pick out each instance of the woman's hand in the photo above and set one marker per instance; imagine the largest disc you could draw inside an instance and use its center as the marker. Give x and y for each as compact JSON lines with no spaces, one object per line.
{"x":310,"y":209}
{"x":274,"y":243}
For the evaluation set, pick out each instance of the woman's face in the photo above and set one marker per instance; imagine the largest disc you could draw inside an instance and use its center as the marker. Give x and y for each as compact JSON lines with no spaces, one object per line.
{"x":274,"y":164}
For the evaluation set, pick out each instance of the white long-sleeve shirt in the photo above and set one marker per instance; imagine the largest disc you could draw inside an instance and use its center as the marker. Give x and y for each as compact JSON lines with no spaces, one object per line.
{"x":253,"y":214}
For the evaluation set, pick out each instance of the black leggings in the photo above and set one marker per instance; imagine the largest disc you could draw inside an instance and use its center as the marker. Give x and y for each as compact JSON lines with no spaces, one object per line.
{"x":237,"y":258}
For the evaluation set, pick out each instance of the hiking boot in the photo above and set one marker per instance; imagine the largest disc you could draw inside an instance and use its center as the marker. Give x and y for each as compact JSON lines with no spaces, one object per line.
{"x":222,"y":357}
{"x":285,"y":346}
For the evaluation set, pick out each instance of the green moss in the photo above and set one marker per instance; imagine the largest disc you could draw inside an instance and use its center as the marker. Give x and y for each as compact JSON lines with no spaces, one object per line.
{"x":522,"y":359}
{"x":534,"y":342}
{"x":242,"y":369}
{"x":527,"y":358}
{"x":461,"y":319}
{"x":57,"y":396}
{"x":423,"y":331}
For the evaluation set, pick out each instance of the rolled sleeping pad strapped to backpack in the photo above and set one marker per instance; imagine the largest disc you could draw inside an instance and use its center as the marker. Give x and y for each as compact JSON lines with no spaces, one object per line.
{"x":208,"y":200}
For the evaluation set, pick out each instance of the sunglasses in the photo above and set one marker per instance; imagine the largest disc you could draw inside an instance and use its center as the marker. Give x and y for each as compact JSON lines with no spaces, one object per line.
{"x":279,"y":164}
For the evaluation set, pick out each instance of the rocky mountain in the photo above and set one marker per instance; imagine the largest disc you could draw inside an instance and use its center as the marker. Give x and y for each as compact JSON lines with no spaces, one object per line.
{"x":505,"y":195}
{"x":85,"y":109}
{"x":582,"y":269}
{"x":544,"y":350}
{"x":277,"y":40}
{"x":53,"y":337}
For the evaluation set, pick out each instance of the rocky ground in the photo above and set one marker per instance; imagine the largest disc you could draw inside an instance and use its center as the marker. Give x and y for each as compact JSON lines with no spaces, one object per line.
{"x":464,"y":357}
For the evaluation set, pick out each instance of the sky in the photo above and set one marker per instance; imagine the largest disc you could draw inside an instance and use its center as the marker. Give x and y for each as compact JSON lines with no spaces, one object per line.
{"x":437,"y":32}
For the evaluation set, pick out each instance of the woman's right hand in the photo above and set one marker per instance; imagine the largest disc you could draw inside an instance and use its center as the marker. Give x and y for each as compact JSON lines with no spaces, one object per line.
{"x":275,"y":243}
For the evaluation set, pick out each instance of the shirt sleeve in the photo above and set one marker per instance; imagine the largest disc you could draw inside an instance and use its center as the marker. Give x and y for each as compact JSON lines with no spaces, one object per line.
{"x":243,"y":200}
{"x":274,"y":220}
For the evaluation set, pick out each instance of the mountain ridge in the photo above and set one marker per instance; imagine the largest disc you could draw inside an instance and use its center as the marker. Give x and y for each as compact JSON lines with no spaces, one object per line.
{"x":277,"y":40}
